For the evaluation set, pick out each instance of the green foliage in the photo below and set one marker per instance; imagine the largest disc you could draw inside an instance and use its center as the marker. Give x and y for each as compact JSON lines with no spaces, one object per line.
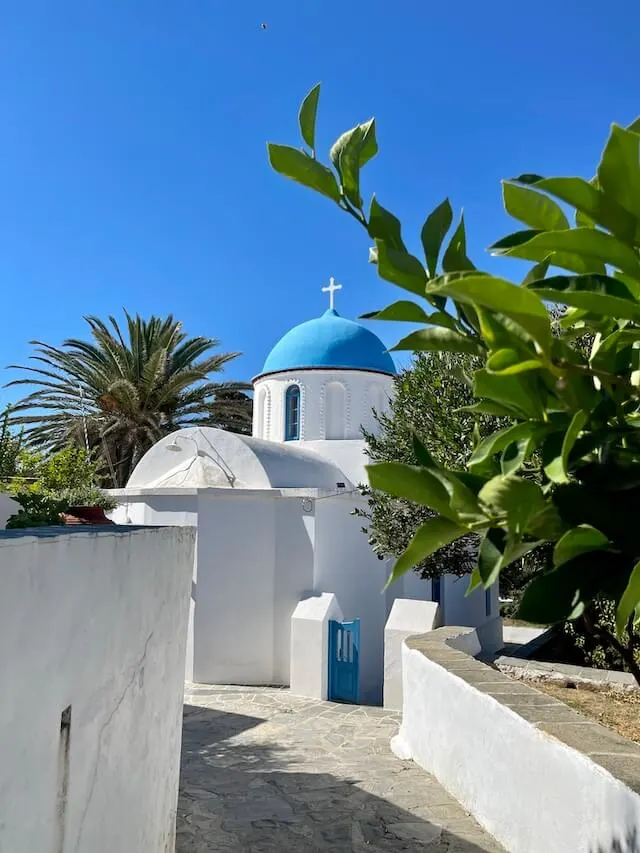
{"x":45,"y":486}
{"x":10,"y":448}
{"x":580,"y":412}
{"x":594,"y":641}
{"x":38,"y":509}
{"x":426,"y":403}
{"x":122,"y":390}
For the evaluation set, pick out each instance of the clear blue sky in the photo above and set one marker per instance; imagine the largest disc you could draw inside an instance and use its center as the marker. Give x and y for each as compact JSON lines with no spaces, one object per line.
{"x":133,"y":170}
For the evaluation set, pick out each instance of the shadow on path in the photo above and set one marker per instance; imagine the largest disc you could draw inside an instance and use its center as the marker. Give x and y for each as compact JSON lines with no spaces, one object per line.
{"x":243,"y":790}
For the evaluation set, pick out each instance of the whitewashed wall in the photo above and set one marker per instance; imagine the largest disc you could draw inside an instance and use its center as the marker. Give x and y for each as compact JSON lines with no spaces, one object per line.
{"x":346,"y":566}
{"x":259,"y":552}
{"x":255,"y":562}
{"x":538,"y":776}
{"x":94,"y":621}
{"x":8,"y":507}
{"x":363,"y":390}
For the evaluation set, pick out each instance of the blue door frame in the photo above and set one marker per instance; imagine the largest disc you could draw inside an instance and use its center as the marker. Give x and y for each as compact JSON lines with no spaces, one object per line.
{"x":344,"y":652}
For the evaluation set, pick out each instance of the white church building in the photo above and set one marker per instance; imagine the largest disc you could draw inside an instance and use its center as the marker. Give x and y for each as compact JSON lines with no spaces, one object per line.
{"x":274,"y":512}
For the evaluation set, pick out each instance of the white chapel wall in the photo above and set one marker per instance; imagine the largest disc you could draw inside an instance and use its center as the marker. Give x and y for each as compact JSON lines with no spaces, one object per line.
{"x":94,"y":621}
{"x":346,"y":566}
{"x":255,"y":563}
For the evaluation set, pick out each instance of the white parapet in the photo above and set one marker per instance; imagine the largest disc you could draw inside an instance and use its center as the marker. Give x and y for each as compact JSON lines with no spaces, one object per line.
{"x":310,"y":644}
{"x":537,"y":775}
{"x":93,"y":625}
{"x":8,"y":507}
{"x":407,"y":617}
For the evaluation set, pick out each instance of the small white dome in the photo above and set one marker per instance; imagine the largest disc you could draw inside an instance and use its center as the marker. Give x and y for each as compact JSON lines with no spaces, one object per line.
{"x":204,"y":457}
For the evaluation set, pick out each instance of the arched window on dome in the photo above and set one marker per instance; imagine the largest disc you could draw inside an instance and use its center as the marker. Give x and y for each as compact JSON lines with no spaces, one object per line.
{"x":378,"y":402}
{"x":292,"y":413}
{"x":335,"y":405}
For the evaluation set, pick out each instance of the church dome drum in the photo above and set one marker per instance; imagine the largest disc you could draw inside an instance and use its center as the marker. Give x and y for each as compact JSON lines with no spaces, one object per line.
{"x":322,"y":380}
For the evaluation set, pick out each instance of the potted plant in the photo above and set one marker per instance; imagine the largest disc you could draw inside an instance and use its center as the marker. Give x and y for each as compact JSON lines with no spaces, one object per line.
{"x":86,"y":505}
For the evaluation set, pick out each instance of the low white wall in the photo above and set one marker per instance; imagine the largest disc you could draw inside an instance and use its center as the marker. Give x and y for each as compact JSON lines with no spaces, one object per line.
{"x":310,"y":644}
{"x":407,"y":617}
{"x":94,"y":622}
{"x":8,"y":507}
{"x":479,"y":610}
{"x":535,"y":774}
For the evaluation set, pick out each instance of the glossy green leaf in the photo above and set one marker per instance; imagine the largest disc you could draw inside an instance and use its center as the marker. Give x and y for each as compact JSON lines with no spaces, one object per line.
{"x":463,"y":500}
{"x":432,"y":535}
{"x":369,"y":147}
{"x":490,"y":555}
{"x":520,"y":245}
{"x":434,"y":231}
{"x":604,"y":356}
{"x":546,"y":525}
{"x":508,"y":362}
{"x":582,"y":220}
{"x":598,"y":294}
{"x":515,"y":393}
{"x":533,"y":208}
{"x":403,"y":311}
{"x":619,"y":169}
{"x":501,"y":296}
{"x":383,"y":225}
{"x":629,"y":601}
{"x":537,"y":272}
{"x":423,"y":457}
{"x":348,"y":165}
{"x":495,"y":553}
{"x":411,"y":483}
{"x":578,"y":541}
{"x":455,"y":257}
{"x":589,"y":200}
{"x":440,"y":340}
{"x":513,"y":499}
{"x":557,"y":469}
{"x":515,"y":454}
{"x":563,"y":594}
{"x":498,"y":441}
{"x":592,"y":247}
{"x":499,"y":332}
{"x":307,"y":117}
{"x":299,"y":167}
{"x":401,"y":268}
{"x":441,"y":318}
{"x":488,"y":407}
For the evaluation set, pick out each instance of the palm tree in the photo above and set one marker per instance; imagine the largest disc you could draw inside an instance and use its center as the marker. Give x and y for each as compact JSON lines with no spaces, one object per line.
{"x":119,"y":394}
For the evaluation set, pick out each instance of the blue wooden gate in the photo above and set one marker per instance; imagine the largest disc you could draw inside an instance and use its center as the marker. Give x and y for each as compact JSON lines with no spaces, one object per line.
{"x":344,"y":645}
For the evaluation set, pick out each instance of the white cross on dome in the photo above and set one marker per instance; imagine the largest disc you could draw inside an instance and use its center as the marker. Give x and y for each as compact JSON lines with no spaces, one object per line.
{"x":331,"y":289}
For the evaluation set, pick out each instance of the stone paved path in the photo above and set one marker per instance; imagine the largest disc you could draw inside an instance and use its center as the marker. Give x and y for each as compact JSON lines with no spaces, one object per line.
{"x":268,"y":772}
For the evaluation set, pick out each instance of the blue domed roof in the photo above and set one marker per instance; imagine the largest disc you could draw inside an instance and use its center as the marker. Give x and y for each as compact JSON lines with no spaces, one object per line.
{"x":329,"y":341}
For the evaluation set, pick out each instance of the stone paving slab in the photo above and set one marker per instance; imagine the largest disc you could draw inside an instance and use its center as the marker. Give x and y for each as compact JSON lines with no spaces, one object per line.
{"x":264,"y":771}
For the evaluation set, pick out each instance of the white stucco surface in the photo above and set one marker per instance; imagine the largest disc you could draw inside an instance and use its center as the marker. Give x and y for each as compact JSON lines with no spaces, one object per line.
{"x":204,"y":457}
{"x":479,"y":610}
{"x":95,"y":622}
{"x":363,"y":391}
{"x":310,"y":644}
{"x":407,"y":617}
{"x":8,"y":507}
{"x":527,"y":787}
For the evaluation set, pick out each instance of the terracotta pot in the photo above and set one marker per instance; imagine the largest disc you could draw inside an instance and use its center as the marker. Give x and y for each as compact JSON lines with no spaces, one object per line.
{"x":85,"y":515}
